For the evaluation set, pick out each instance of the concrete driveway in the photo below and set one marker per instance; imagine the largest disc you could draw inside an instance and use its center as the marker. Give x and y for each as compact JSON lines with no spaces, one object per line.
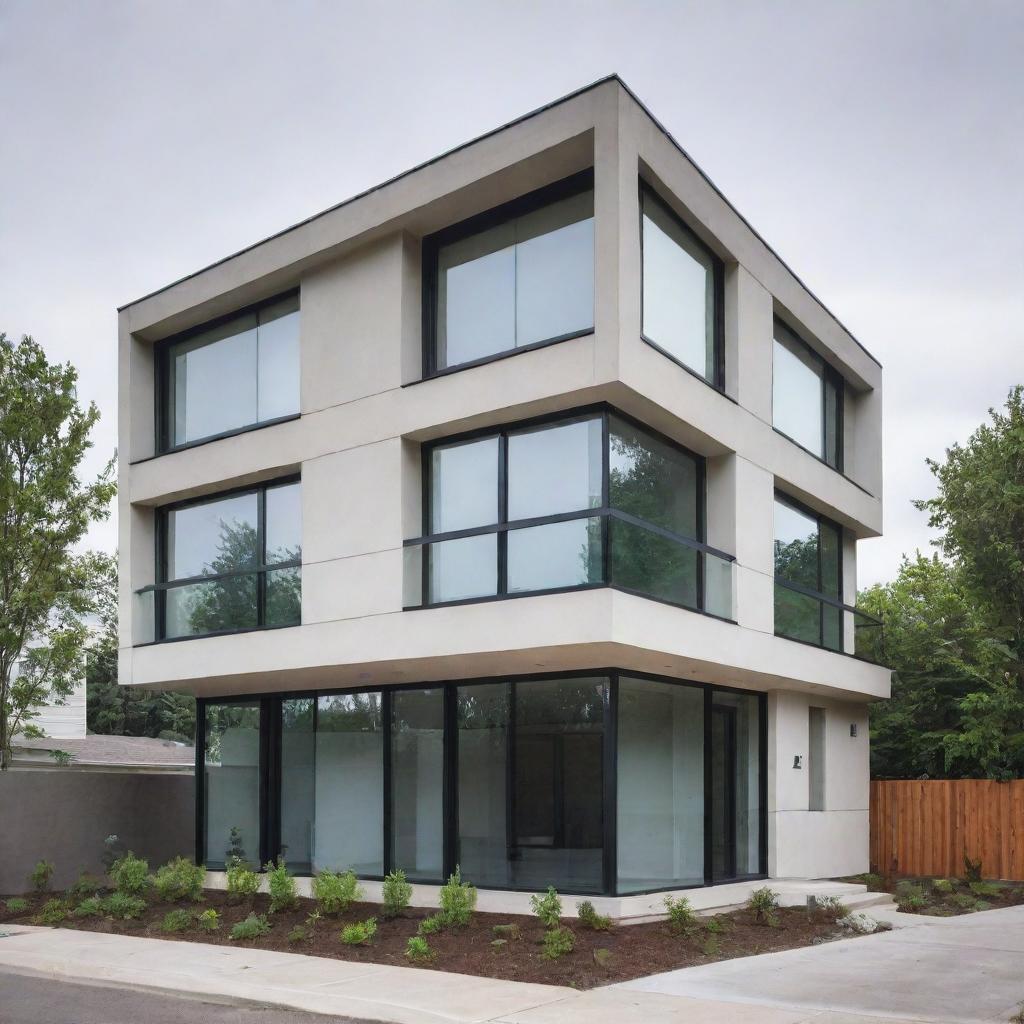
{"x":961,"y":970}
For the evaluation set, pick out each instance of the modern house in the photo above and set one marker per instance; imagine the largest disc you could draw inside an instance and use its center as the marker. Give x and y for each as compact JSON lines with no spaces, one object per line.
{"x":505,"y":515}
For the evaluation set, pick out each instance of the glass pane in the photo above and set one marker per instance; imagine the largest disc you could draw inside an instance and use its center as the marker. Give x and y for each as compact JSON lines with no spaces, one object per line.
{"x":278,"y":357}
{"x":213,"y":537}
{"x":554,"y":469}
{"x":796,"y":546}
{"x":284,"y":523}
{"x":483,"y":749}
{"x":349,"y":784}
{"x":735,"y":785}
{"x":650,"y":564}
{"x":660,"y":785}
{"x":284,"y":597}
{"x":831,"y":559}
{"x":832,"y":627}
{"x":464,"y":568}
{"x":231,"y":781}
{"x":417,"y":774}
{"x":195,"y":609}
{"x":476,"y":296}
{"x":144,"y":616}
{"x":718,"y":585}
{"x":797,"y":616}
{"x":678,"y":291}
{"x":213,"y":381}
{"x":298,"y":771}
{"x":557,"y":555}
{"x":797,"y":391}
{"x":651,"y":479}
{"x":833,"y":423}
{"x":464,"y":485}
{"x":555,"y":270}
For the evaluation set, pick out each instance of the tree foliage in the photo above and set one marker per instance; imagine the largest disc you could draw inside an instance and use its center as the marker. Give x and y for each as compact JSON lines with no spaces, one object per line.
{"x":47,"y":588}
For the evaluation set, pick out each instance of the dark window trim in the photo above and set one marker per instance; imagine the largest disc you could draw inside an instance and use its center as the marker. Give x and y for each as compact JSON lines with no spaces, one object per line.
{"x":161,"y":378}
{"x":575,"y":184}
{"x":717,"y":381}
{"x":270,"y":766}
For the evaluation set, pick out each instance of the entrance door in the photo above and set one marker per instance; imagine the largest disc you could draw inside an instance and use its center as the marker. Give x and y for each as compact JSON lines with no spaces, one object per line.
{"x":723,"y":792}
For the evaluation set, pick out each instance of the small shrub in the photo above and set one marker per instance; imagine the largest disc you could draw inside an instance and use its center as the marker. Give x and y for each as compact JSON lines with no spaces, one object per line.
{"x":714,"y":926}
{"x":711,"y":946}
{"x":90,"y":907}
{"x":418,"y":950}
{"x":113,"y":850}
{"x":360,"y":933}
{"x":964,"y":901}
{"x":17,"y":905}
{"x":395,"y":893}
{"x":590,"y":918}
{"x":910,"y":897}
{"x":52,"y":912}
{"x":180,"y":879}
{"x":86,"y":885}
{"x":243,"y":883}
{"x":507,"y":931}
{"x":123,"y":905}
{"x":284,"y":893}
{"x":557,"y":943}
{"x":234,"y":855}
{"x":130,"y":874}
{"x":764,"y":906}
{"x":432,"y":925}
{"x":255,"y":926}
{"x":875,"y":883}
{"x":176,"y":921}
{"x":972,"y":869}
{"x":335,"y":893}
{"x":208,"y":920}
{"x":603,"y":958}
{"x":830,"y":906}
{"x":943,"y":885}
{"x":304,"y":932}
{"x":547,"y":907}
{"x":681,"y":918}
{"x":457,"y":899}
{"x":41,"y":875}
{"x":984,"y":888}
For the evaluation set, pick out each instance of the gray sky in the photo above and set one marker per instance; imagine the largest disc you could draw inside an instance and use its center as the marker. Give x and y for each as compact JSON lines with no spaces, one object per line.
{"x":878,"y":146}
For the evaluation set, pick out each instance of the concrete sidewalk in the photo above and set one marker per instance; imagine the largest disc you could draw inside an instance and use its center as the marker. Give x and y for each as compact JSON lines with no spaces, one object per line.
{"x":409,"y":996}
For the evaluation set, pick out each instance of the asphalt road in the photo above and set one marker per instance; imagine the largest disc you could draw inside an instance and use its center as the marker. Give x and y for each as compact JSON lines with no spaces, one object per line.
{"x":26,"y":999}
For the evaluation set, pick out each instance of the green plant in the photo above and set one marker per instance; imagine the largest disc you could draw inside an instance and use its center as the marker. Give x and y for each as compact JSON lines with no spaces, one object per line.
{"x":432,"y":925}
{"x":234,"y":855}
{"x":335,"y":893}
{"x":681,"y":918}
{"x":943,"y":885}
{"x":603,"y":958}
{"x":208,"y":920}
{"x":507,"y":931}
{"x":714,"y":925}
{"x":284,"y":893}
{"x":547,"y":907}
{"x":984,"y":888}
{"x":711,"y":946}
{"x":557,"y":942}
{"x":52,"y":912}
{"x":418,"y":949}
{"x":831,"y":906}
{"x":17,"y":905}
{"x":89,"y":907}
{"x":255,"y":926}
{"x":457,"y":899}
{"x":972,"y":869}
{"x":176,"y":921}
{"x":130,"y":874}
{"x":395,"y":893}
{"x":590,"y":918}
{"x":304,"y":932}
{"x":113,"y":850}
{"x":41,"y":875}
{"x":243,"y":883}
{"x":910,"y":897}
{"x":124,"y":905}
{"x":360,"y":933}
{"x":85,"y":885}
{"x":874,"y":882}
{"x":764,"y":906}
{"x":180,"y":879}
{"x":964,"y":901}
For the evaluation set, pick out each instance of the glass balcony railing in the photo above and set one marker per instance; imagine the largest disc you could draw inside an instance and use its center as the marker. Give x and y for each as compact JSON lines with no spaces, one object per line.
{"x":824,"y":622}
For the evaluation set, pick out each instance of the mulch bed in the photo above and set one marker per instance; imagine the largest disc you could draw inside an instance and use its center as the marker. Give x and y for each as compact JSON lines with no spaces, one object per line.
{"x":961,"y":897}
{"x":635,"y":950}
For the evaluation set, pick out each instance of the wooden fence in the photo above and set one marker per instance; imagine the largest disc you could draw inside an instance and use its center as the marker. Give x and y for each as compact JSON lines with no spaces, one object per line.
{"x":925,"y":828}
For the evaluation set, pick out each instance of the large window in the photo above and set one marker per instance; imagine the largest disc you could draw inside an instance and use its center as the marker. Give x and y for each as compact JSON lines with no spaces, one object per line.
{"x":237,"y":373}
{"x":230,"y":563}
{"x":807,"y":398}
{"x":682,"y":291}
{"x":808,"y":576}
{"x":514,"y":278}
{"x":578,"y":501}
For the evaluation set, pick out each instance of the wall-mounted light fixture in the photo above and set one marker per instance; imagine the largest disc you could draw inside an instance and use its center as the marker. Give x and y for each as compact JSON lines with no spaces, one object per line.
{"x":853,"y":729}
{"x":798,"y":761}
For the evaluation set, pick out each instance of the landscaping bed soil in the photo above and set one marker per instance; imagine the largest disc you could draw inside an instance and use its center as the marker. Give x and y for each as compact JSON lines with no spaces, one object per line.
{"x":944,"y":897}
{"x":635,"y":950}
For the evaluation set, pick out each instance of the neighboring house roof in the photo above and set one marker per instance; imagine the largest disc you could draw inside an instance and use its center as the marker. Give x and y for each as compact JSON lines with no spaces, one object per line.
{"x":111,"y":751}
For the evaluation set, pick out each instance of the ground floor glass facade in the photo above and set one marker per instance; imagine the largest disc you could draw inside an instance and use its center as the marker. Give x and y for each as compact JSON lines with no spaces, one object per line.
{"x":604,"y":782}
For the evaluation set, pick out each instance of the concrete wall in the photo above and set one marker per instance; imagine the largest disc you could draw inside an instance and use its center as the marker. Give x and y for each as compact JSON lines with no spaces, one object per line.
{"x":63,"y":816}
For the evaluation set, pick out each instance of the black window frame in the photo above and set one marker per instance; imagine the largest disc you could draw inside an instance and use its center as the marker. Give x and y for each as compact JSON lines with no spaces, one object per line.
{"x":270,"y":770}
{"x":575,"y":184}
{"x":717,"y":381}
{"x":260,"y":570}
{"x":162,"y":377}
{"x":829,"y":375}
{"x":605,"y":412}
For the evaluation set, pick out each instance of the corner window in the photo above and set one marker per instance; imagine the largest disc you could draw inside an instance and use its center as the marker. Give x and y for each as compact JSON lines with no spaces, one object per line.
{"x":807,"y":398}
{"x":514,"y":278}
{"x":240,"y":372}
{"x":682,"y":291}
{"x":808,"y":576}
{"x":231,"y":563}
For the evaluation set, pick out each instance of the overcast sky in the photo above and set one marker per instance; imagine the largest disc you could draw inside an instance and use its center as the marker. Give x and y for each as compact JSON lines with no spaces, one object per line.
{"x":879,"y":147}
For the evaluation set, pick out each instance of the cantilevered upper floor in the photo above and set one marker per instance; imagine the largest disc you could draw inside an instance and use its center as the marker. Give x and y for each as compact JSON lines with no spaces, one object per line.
{"x":554,"y":365}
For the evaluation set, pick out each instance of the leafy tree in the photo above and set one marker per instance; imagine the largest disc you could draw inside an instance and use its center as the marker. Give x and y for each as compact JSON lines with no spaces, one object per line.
{"x":46,"y":588}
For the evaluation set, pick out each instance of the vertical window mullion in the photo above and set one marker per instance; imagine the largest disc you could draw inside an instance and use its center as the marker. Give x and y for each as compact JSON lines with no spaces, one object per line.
{"x":200,"y":778}
{"x":502,"y":544}
{"x":606,"y":498}
{"x":610,"y":795}
{"x":708,"y":790}
{"x":387,"y":713}
{"x":261,"y":555}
